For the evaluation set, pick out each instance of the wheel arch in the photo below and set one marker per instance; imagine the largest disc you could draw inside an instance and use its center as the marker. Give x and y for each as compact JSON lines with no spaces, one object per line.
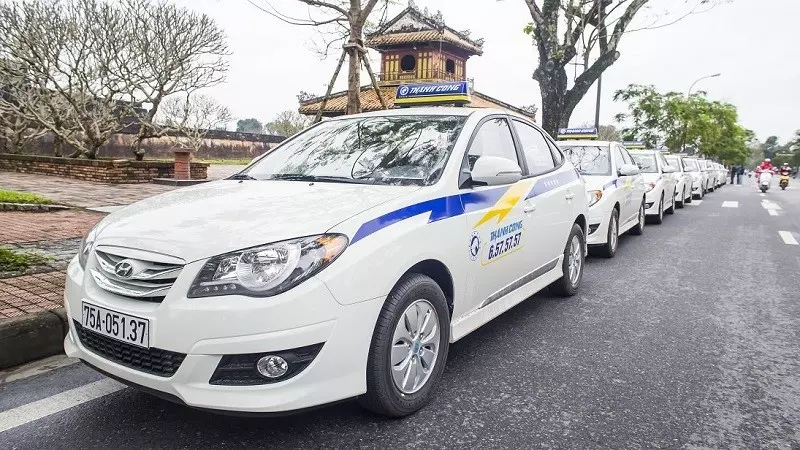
{"x":439,"y":273}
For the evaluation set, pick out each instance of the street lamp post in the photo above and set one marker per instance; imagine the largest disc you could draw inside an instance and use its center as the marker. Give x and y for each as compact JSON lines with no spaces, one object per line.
{"x":688,"y":96}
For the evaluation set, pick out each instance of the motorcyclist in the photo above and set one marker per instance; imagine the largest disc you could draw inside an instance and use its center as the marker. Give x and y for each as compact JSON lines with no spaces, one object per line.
{"x":764,"y":166}
{"x":785,"y":169}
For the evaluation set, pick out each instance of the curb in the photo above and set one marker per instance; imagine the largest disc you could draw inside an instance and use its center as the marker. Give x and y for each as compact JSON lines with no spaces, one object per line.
{"x":30,"y":207}
{"x":31,"y":337}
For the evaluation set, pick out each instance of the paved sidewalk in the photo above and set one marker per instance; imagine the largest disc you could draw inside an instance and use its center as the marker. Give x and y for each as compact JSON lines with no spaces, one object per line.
{"x":30,"y":294}
{"x":84,"y":194}
{"x":20,"y":227}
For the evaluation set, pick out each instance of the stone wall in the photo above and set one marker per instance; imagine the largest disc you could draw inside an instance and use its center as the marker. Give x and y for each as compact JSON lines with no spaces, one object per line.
{"x":97,"y":170}
{"x":219,"y":144}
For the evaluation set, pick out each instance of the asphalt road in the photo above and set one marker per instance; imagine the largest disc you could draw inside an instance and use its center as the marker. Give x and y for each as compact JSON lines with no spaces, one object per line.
{"x":690,"y":337}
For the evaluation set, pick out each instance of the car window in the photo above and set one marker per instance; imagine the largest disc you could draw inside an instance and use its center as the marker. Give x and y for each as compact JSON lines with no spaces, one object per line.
{"x":375,"y":150}
{"x":626,"y":156}
{"x":534,"y":148}
{"x":691,"y":164}
{"x":675,"y":162}
{"x":558,"y":156}
{"x":646,"y":162}
{"x":619,"y":160}
{"x":662,"y":160}
{"x":589,"y":159}
{"x":493,"y":139}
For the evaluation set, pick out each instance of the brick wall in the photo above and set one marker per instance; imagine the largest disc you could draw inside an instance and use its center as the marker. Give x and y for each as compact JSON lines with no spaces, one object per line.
{"x":98,"y":170}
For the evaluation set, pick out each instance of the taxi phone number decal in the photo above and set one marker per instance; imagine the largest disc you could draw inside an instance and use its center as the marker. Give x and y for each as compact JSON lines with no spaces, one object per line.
{"x":504,"y":240}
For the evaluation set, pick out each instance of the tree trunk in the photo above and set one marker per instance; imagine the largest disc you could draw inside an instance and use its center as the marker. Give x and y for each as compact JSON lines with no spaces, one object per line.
{"x":353,"y":81}
{"x":553,"y":85}
{"x":58,"y":146}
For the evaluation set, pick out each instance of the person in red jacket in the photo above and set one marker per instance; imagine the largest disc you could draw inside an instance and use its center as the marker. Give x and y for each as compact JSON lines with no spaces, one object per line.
{"x":766,"y":165}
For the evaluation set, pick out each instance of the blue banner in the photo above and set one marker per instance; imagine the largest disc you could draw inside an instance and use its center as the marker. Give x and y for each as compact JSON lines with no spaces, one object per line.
{"x":577,"y":133}
{"x":446,"y":92}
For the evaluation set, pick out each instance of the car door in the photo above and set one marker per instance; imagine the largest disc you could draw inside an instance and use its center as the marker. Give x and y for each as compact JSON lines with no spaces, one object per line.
{"x":495,"y":218}
{"x":669,"y":178}
{"x":549,"y":212}
{"x":628,"y":208}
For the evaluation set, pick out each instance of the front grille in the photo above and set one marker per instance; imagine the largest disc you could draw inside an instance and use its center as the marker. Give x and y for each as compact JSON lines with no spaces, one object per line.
{"x":240,"y":370}
{"x":154,"y":361}
{"x":134,"y":278}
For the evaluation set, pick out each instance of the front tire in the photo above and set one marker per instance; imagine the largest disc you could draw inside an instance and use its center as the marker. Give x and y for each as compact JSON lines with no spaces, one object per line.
{"x":638,"y":230}
{"x":409,"y":348}
{"x":609,"y":249}
{"x":572,"y":265}
{"x":671,"y":209}
{"x":681,"y":203}
{"x":659,"y":219}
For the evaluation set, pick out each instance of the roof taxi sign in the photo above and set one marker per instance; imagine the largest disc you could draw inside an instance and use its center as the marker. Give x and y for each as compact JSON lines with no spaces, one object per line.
{"x":635,"y":145}
{"x":432,"y":93}
{"x":577,"y":133}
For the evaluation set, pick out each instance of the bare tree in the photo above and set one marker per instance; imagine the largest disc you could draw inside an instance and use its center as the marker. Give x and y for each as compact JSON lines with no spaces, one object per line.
{"x":591,"y":30}
{"x":66,"y":56}
{"x":189,"y":119}
{"x":286,"y":123}
{"x":172,"y":50}
{"x":340,"y":22}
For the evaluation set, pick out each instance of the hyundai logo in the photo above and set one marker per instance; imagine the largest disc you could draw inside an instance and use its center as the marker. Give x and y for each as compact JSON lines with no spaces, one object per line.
{"x":124,"y":269}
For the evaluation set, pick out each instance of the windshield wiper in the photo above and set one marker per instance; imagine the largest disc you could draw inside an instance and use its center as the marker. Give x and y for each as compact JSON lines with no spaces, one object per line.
{"x":240,"y":176}
{"x":317,"y":178}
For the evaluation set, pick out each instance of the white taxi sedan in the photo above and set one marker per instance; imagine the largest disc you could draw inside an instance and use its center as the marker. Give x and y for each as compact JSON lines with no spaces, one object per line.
{"x":660,"y":179}
{"x":699,"y":177}
{"x":615,"y":189}
{"x":683,"y":180}
{"x":341,"y":264}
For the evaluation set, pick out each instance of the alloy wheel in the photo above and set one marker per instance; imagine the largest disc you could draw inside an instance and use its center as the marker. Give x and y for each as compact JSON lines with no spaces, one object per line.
{"x":415,"y":346}
{"x":575,"y":263}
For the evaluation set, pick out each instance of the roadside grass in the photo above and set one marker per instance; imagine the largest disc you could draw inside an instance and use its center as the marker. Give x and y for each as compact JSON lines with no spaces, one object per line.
{"x":22,"y":197}
{"x":11,"y":261}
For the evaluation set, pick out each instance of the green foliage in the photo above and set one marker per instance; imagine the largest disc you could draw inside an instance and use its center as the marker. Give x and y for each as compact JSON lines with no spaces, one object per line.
{"x":22,"y":197}
{"x":249,"y":126}
{"x":11,"y":261}
{"x":678,"y":122}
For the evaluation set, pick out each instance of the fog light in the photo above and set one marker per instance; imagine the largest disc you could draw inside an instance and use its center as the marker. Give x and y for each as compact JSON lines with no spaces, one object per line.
{"x":272,"y":366}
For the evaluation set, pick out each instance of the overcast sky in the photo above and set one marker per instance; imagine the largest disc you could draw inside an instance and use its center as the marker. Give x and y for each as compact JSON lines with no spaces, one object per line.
{"x":748,"y":41}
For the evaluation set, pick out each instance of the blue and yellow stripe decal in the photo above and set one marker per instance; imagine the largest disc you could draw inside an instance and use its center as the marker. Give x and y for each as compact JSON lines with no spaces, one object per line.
{"x":500,"y":201}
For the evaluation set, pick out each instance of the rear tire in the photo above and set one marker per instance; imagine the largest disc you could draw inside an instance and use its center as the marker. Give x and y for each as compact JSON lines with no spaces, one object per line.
{"x":412,"y":294}
{"x":572,"y":265}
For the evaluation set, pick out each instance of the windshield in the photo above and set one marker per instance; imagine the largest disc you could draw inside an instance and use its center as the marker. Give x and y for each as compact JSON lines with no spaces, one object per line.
{"x":589,"y":160}
{"x":690,"y":163}
{"x":646,"y":162}
{"x":674,"y":162}
{"x":372,"y":150}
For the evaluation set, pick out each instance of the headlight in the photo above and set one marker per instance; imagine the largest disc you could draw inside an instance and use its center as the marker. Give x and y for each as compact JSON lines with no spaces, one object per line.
{"x":87,"y":244}
{"x":594,"y":197}
{"x":268,"y":269}
{"x":650,"y":186}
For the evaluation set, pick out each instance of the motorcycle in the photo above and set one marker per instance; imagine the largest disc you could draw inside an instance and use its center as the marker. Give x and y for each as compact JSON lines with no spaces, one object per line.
{"x":765,"y":180}
{"x":784,"y":181}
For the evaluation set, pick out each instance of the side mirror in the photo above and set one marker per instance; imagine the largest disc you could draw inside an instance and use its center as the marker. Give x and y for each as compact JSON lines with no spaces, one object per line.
{"x":668,"y":169}
{"x":495,"y":170}
{"x":628,"y":170}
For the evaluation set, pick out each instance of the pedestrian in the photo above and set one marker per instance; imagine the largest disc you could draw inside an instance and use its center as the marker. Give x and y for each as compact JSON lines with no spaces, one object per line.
{"x":733,"y":173}
{"x":739,"y":174}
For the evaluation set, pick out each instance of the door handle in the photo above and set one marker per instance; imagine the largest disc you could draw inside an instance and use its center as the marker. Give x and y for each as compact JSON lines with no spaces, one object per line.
{"x":570,"y":196}
{"x":529,"y":208}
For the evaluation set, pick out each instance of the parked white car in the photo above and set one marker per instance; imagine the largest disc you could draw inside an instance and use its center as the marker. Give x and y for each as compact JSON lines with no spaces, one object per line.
{"x":683,"y":180}
{"x":341,"y":264}
{"x":615,"y":189}
{"x":723,"y":174}
{"x":711,"y":173}
{"x":699,"y":177}
{"x":660,"y":180}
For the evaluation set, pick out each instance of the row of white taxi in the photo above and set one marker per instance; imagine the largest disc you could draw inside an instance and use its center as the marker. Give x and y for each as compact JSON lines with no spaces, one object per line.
{"x":629,"y":186}
{"x":343,"y":263}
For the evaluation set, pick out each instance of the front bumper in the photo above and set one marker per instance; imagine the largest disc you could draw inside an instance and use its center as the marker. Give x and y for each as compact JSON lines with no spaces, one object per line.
{"x":206,"y":329}
{"x":652,"y":199}
{"x":599,"y":217}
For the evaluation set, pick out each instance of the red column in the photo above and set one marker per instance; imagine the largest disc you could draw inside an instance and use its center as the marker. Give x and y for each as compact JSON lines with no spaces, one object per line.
{"x":182,"y":164}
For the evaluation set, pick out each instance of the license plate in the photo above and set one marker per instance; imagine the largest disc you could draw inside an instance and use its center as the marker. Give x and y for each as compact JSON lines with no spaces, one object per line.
{"x":122,"y":327}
